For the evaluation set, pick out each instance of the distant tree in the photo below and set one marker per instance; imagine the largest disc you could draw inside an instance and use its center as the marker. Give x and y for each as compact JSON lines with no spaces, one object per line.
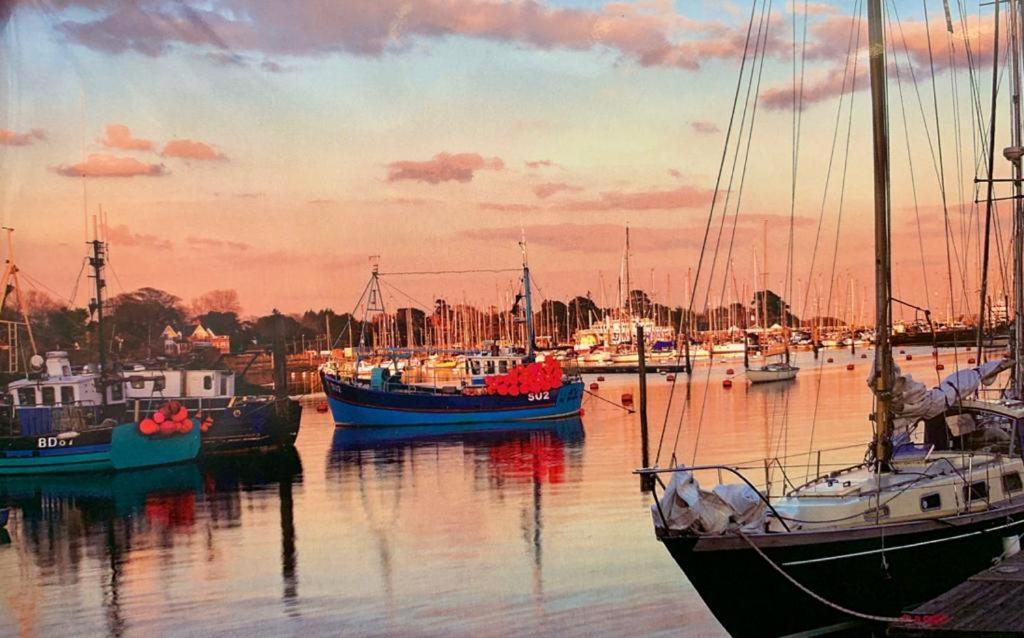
{"x":581,"y":312}
{"x":138,"y":318}
{"x":221,"y":300}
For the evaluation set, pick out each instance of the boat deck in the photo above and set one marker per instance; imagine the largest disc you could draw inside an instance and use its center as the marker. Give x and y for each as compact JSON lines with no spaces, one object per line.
{"x":986,"y":604}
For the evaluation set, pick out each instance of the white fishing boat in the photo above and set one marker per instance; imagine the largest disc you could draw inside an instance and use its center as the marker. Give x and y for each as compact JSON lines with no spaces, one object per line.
{"x":772,"y":372}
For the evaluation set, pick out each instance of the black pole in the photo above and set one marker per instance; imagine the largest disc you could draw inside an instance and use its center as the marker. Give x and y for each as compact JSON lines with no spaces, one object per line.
{"x":646,"y":480}
{"x":97,"y":261}
{"x":280,"y":367}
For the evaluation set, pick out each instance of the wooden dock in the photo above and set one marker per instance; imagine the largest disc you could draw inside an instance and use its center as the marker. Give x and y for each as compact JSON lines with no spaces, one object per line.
{"x":987,"y":604}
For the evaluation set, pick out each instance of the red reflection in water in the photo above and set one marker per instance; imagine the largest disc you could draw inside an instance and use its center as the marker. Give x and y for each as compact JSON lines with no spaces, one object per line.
{"x":540,"y":458}
{"x":172,"y":511}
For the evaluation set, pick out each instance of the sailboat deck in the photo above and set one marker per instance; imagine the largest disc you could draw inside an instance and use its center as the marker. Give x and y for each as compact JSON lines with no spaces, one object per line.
{"x":986,"y":604}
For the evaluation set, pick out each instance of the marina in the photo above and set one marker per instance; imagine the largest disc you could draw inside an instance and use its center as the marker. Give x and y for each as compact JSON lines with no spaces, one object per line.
{"x":512,"y":317}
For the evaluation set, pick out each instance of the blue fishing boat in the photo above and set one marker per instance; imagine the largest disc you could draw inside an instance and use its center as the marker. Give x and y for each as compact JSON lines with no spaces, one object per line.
{"x":496,"y":387}
{"x":60,"y":420}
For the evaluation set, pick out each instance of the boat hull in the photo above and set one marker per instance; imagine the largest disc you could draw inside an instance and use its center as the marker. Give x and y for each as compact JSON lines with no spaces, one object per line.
{"x":871,"y":570}
{"x":357,"y":404}
{"x":252,"y":426}
{"x":121,"y":447}
{"x":755,"y":375}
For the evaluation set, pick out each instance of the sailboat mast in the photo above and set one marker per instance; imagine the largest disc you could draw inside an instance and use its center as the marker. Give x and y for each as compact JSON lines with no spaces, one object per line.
{"x":97,"y":261}
{"x":1014,"y":155}
{"x":883,"y":378}
{"x":629,"y":293}
{"x":530,"y":336}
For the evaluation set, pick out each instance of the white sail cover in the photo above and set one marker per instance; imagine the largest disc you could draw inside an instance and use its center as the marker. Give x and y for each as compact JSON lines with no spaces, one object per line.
{"x":688,"y":508}
{"x":913,"y":400}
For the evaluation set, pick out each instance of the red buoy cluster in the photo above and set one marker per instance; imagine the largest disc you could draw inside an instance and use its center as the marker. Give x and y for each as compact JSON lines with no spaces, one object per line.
{"x":528,"y":379}
{"x":171,"y":418}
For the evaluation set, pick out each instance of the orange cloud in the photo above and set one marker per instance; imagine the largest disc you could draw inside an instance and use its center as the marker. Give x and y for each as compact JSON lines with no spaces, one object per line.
{"x":190,"y":149}
{"x":700,"y":126}
{"x":546,"y":190}
{"x":121,"y":235}
{"x":444,"y":167}
{"x":508,"y":208}
{"x":10,"y":138}
{"x":120,"y":136}
{"x":99,"y":165}
{"x":682,"y":197}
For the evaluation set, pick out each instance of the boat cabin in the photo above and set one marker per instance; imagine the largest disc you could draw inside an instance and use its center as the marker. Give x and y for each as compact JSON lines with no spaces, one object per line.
{"x":488,"y":364}
{"x":56,"y":384}
{"x":143,"y":383}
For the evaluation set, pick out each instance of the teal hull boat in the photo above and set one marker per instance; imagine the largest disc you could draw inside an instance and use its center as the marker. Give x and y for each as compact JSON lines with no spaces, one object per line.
{"x":103,"y":449}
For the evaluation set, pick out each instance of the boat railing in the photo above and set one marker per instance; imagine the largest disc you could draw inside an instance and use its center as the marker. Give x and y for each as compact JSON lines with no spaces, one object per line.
{"x":774,"y":476}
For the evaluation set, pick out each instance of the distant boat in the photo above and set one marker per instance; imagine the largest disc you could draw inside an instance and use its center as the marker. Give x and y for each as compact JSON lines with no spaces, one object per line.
{"x":772,"y":372}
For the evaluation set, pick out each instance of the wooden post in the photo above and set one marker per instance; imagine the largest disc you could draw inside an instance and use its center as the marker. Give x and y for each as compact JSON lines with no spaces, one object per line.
{"x":646,"y":480}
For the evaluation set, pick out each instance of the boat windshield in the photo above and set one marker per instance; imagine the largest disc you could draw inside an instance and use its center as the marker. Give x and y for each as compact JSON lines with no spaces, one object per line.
{"x":968,"y":430}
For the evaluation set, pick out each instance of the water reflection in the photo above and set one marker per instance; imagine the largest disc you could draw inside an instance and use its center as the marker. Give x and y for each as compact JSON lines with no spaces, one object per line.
{"x":132,"y":533}
{"x":509,"y":464}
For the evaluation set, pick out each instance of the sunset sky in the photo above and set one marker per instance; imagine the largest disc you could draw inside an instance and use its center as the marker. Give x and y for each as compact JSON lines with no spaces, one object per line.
{"x":272,"y":147}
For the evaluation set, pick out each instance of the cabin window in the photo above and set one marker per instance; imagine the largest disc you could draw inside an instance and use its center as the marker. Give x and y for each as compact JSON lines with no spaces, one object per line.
{"x":502,"y":366}
{"x":975,"y":491}
{"x":159,"y":383}
{"x":26,"y":396}
{"x":223,"y":385}
{"x":931,"y":502}
{"x":490,"y":367}
{"x":1012,"y":482}
{"x":207,"y":382}
{"x":474,"y":368}
{"x":67,"y":395}
{"x":49,"y":395}
{"x":138,"y":383}
{"x":116,"y":392}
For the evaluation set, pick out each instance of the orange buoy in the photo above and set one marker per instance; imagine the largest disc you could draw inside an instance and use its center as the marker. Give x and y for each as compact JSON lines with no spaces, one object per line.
{"x":863,"y":356}
{"x":829,"y":360}
{"x":910,"y":357}
{"x":180,"y":415}
{"x":206,"y":424}
{"x":582,"y":412}
{"x":594,"y":386}
{"x":726,"y":383}
{"x":159,"y":417}
{"x":971,"y":360}
{"x":903,"y":352}
{"x":600,"y":378}
{"x":168,"y":428}
{"x":184,"y":427}
{"x":322,"y":406}
{"x":939,"y":366}
{"x":670,"y":377}
{"x":148,"y":427}
{"x":730,"y":371}
{"x":850,"y":366}
{"x":627,"y":398}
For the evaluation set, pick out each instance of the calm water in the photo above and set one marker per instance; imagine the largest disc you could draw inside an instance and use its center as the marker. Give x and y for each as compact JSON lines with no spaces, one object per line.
{"x":419,"y":533}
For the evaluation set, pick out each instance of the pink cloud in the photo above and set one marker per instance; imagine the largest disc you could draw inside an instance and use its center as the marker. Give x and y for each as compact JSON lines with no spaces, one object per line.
{"x":508,"y":208}
{"x":546,"y":190}
{"x":99,"y":165}
{"x":650,"y":34}
{"x":444,"y":167}
{"x":217,"y":243}
{"x":120,"y":136}
{"x":703,"y":127}
{"x":682,"y":197}
{"x":123,"y":236}
{"x":10,"y":138}
{"x":675,"y":172}
{"x":545,"y":163}
{"x":190,"y":149}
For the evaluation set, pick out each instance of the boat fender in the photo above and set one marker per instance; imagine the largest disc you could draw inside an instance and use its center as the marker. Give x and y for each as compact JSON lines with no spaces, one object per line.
{"x":184,"y":427}
{"x":180,"y":415}
{"x":206,"y":424}
{"x":148,"y":427}
{"x":159,"y":417}
{"x":168,"y":428}
{"x":63,"y":436}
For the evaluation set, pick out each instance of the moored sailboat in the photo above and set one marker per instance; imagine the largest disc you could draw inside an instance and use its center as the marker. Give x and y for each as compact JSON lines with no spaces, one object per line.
{"x":938,"y":497}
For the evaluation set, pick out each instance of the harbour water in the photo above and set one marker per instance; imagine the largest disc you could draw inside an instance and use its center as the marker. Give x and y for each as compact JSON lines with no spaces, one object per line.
{"x":415,"y":532}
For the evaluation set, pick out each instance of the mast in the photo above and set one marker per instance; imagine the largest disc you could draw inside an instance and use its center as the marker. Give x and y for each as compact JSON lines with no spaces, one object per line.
{"x":629,"y":289}
{"x":1014,"y":155}
{"x":991,"y":169}
{"x":530,"y":336}
{"x":97,"y":262}
{"x":882,"y":380}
